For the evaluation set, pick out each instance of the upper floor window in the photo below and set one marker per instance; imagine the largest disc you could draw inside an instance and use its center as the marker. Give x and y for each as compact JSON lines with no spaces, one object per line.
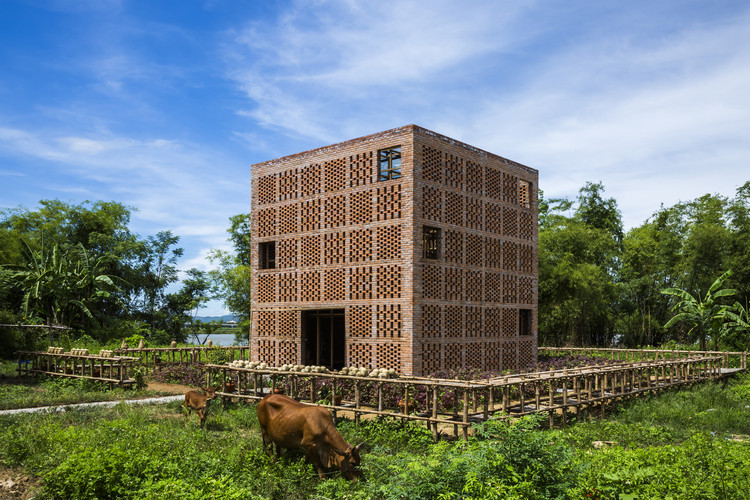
{"x":431,"y":242}
{"x":389,"y":163}
{"x":267,"y":255}
{"x":524,"y":322}
{"x":524,"y":193}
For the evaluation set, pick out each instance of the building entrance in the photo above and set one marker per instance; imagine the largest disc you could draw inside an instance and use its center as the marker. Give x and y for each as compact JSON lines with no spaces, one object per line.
{"x":324,"y":338}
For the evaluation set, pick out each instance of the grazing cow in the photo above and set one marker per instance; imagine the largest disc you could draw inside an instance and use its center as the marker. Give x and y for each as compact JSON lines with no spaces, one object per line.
{"x":199,"y":402}
{"x":290,"y":424}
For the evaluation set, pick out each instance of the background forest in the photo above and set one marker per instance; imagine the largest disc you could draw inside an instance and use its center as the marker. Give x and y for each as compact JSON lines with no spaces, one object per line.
{"x":81,"y":266}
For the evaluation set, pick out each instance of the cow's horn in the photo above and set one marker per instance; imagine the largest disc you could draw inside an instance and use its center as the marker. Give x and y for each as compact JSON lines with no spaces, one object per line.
{"x":356,"y":448}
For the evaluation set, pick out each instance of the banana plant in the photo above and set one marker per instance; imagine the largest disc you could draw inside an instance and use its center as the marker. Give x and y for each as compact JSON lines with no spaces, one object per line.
{"x":738,"y":326}
{"x":705,"y":314}
{"x":60,"y":286}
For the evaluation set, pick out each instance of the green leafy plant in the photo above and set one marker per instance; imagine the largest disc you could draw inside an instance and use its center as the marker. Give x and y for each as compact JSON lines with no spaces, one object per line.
{"x":705,"y":315}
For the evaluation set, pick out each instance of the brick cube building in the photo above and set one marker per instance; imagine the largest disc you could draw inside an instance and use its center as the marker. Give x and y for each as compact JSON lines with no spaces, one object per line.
{"x":404,"y":249}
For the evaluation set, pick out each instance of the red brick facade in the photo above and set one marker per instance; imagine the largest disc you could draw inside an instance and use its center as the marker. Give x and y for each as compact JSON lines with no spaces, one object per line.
{"x":348,"y":243}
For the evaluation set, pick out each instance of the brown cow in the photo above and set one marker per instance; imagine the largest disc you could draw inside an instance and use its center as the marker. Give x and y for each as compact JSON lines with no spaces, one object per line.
{"x":290,"y":424}
{"x":199,"y":402}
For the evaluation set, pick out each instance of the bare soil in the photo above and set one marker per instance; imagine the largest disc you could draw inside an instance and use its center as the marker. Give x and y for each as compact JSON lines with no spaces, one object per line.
{"x":170,"y":388}
{"x":16,"y":484}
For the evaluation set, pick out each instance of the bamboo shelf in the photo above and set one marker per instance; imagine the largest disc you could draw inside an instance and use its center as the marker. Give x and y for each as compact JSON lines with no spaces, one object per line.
{"x":114,"y":371}
{"x":152,"y":358}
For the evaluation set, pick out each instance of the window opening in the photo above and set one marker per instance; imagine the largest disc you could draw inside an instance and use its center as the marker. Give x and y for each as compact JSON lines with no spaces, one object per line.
{"x":267,"y":254}
{"x":389,"y":163}
{"x":524,"y":321}
{"x":524,"y":193}
{"x":431,"y":242}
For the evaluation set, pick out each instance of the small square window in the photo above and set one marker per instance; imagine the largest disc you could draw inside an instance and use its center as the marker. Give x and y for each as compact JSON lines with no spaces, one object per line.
{"x":524,"y":322}
{"x":267,"y":255}
{"x":524,"y":193}
{"x":389,"y":163}
{"x":431,"y":242}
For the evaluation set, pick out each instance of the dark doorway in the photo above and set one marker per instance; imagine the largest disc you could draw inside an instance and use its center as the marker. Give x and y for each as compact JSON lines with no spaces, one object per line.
{"x":324,"y":338}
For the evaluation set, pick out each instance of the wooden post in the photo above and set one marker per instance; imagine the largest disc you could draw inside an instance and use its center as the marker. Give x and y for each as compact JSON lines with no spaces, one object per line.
{"x":333,"y":398}
{"x":565,"y":401}
{"x":466,"y":415}
{"x":357,"y":402}
{"x":487,"y":398}
{"x":551,"y":404}
{"x":405,"y":409}
{"x":435,"y":401}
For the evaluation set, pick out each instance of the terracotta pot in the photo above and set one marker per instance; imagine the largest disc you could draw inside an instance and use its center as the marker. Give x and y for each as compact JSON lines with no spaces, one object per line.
{"x":337,"y":400}
{"x":278,"y":390}
{"x":402,"y":404}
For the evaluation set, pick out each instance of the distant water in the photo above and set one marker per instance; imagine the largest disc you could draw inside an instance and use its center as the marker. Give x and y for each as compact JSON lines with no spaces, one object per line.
{"x":222,"y":339}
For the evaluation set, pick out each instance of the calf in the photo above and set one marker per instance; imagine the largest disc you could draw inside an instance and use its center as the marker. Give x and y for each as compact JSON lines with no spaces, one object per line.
{"x":290,"y":424}
{"x":199,"y":402}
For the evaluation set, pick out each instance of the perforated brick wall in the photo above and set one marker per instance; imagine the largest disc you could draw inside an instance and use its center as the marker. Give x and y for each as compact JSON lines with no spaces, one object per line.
{"x":346,"y":241}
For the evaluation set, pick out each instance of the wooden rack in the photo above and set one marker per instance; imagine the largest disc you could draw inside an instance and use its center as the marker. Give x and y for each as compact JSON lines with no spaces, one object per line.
{"x":152,"y":358}
{"x":114,"y":371}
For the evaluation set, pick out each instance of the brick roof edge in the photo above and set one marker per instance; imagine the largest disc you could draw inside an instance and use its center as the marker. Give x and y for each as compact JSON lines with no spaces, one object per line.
{"x":393,"y":131}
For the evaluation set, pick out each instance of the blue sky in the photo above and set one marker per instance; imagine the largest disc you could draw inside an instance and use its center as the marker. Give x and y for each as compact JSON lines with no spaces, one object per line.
{"x":164,"y":105}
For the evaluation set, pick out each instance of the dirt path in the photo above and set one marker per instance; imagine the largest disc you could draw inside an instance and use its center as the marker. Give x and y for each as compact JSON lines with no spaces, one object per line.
{"x":170,"y":388}
{"x":176,"y":390}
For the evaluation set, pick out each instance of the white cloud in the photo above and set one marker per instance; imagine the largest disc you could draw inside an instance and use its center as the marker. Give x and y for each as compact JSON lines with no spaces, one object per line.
{"x":320,"y":63}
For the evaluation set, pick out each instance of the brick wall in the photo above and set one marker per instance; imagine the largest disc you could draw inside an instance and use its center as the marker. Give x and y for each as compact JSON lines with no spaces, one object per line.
{"x":346,"y":241}
{"x":467,"y":301}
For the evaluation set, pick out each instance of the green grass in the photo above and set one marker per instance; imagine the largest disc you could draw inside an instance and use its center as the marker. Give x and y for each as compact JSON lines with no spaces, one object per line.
{"x":664,"y":449}
{"x":716,"y":408}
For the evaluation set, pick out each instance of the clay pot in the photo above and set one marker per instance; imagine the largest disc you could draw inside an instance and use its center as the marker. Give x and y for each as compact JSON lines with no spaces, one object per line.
{"x":409,"y":407}
{"x":278,"y":390}
{"x":337,"y":400}
{"x":229,"y":387}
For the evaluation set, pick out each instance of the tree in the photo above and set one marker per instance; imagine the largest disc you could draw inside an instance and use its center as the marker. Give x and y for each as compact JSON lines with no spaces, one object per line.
{"x":705,"y":316}
{"x":62,"y":288}
{"x":577,"y":256}
{"x":233,"y":276}
{"x":155,"y":270}
{"x":597,"y":212}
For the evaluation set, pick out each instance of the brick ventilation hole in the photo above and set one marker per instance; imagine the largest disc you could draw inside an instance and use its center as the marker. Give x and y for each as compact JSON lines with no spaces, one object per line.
{"x":360,"y":354}
{"x":388,"y":325}
{"x":335,"y":284}
{"x":267,"y":189}
{"x":360,"y":322}
{"x":389,"y":356}
{"x":288,"y":187}
{"x":389,"y":242}
{"x":309,"y":181}
{"x":432,"y":165}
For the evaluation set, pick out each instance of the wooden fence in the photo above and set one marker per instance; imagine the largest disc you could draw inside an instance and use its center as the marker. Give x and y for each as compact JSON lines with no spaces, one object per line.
{"x":442,"y":404}
{"x":729,"y":359}
{"x":114,"y":371}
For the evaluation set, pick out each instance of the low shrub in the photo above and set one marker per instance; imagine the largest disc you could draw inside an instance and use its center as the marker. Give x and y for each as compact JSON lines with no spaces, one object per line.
{"x":703,"y":467}
{"x":177,"y":373}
